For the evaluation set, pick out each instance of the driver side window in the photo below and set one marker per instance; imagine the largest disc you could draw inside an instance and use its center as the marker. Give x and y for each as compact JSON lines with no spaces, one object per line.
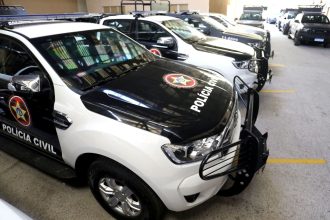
{"x":14,"y":61}
{"x":13,"y":58}
{"x":150,"y":32}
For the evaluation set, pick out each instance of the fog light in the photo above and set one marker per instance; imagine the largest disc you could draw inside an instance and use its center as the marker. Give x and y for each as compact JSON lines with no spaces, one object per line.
{"x":191,"y":198}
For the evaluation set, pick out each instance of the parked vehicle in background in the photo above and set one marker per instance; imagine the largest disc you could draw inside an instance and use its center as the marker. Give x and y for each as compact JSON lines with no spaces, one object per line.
{"x":310,"y":27}
{"x":233,"y":26}
{"x":252,"y":16}
{"x":175,"y":39}
{"x":289,"y":16}
{"x":211,"y":27}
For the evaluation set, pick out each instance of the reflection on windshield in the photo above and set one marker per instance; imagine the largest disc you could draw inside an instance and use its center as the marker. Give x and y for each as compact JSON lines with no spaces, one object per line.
{"x":184,"y":30}
{"x":86,"y":59}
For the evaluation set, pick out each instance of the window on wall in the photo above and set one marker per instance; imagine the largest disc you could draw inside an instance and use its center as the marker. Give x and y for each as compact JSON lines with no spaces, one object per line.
{"x":179,"y":7}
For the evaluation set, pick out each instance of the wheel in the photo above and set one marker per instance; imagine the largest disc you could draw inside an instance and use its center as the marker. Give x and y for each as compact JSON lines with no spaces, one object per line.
{"x":296,"y":40}
{"x":325,"y":45}
{"x":121,"y":193}
{"x":285,"y":30}
{"x":289,"y":33}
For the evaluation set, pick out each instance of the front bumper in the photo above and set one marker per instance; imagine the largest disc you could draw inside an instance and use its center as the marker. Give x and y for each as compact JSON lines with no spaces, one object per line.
{"x":189,"y":185}
{"x":244,"y":157}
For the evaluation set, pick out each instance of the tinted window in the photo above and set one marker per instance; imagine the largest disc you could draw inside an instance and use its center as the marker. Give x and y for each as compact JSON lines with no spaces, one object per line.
{"x":257,"y":16}
{"x":184,"y":30}
{"x":123,"y":26}
{"x":150,"y":32}
{"x":321,"y":19}
{"x":13,"y":58}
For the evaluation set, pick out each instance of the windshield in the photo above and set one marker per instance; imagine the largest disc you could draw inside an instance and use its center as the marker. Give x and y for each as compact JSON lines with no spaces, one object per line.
{"x":292,"y":15}
{"x":320,"y":19}
{"x":256,"y":16}
{"x":184,"y":30}
{"x":86,"y":59}
{"x":214,"y":23}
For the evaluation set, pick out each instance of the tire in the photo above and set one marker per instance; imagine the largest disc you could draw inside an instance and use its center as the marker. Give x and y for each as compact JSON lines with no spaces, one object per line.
{"x":285,"y":30}
{"x":289,"y":34}
{"x":325,"y":45}
{"x":296,"y":40}
{"x":125,"y":190}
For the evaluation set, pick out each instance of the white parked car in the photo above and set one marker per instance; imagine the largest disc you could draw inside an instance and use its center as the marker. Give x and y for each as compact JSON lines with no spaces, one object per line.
{"x":80,"y":99}
{"x":175,"y":39}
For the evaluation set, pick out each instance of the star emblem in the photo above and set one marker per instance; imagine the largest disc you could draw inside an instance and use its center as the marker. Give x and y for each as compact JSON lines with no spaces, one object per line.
{"x":180,"y":80}
{"x":20,"y":113}
{"x":19,"y":110}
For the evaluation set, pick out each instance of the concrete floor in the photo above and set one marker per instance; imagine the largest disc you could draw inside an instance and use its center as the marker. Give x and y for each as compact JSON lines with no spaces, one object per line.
{"x":297,"y":119}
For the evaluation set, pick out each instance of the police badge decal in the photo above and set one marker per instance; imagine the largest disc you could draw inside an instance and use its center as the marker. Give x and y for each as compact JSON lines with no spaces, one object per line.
{"x":20,"y":111}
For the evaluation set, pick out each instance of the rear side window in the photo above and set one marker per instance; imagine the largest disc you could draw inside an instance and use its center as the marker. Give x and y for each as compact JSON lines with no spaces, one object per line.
{"x":320,"y":19}
{"x":123,"y":26}
{"x":150,"y":32}
{"x":13,"y":58}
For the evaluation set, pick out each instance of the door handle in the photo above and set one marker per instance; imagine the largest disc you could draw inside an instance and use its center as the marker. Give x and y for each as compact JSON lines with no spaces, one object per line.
{"x":61,"y":120}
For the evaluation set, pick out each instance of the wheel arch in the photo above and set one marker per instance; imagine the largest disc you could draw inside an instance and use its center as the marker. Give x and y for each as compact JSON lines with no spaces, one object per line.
{"x":85,"y":160}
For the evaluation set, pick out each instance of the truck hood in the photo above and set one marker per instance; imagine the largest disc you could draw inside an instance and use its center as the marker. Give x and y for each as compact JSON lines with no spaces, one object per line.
{"x":250,"y":22}
{"x":167,"y":98}
{"x":250,"y":29}
{"x":236,"y":50}
{"x":247,"y":37}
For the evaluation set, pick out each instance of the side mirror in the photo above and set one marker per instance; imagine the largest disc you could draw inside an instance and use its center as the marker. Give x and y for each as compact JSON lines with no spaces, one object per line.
{"x":263,"y":19}
{"x":166,"y":42}
{"x":25,"y":83}
{"x":235,"y":19}
{"x":296,"y":21}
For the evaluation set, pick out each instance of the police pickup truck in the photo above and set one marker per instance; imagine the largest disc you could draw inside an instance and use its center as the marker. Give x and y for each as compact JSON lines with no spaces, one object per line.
{"x":81,"y":99}
{"x":175,"y":39}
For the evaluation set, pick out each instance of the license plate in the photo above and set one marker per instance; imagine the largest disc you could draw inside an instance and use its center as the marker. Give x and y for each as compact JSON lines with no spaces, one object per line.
{"x":319,"y":40}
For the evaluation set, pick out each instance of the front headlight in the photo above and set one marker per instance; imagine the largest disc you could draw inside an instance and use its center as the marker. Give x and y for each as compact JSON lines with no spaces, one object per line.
{"x":254,"y":66}
{"x":241,"y":64}
{"x":256,"y":44}
{"x":195,"y":151}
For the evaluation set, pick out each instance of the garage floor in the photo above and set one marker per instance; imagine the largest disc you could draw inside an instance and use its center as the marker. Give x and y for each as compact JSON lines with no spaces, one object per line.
{"x":295,"y":110}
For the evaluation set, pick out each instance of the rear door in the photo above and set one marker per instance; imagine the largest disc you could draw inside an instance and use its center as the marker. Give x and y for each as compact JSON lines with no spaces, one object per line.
{"x":26,"y":116}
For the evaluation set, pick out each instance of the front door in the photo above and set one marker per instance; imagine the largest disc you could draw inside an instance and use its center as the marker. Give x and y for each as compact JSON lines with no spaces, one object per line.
{"x":26,"y":115}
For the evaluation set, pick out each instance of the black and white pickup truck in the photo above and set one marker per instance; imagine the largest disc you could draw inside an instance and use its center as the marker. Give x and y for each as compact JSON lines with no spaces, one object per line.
{"x":310,"y":27}
{"x":80,"y":99}
{"x":175,"y":39}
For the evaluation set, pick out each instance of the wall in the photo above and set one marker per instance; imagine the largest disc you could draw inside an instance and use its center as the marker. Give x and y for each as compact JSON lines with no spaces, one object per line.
{"x":217,"y":6}
{"x":46,"y":6}
{"x":96,"y":6}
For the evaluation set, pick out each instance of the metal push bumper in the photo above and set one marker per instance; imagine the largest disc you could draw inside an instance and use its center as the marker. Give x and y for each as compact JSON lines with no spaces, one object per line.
{"x":242,"y":159}
{"x":264,"y":73}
